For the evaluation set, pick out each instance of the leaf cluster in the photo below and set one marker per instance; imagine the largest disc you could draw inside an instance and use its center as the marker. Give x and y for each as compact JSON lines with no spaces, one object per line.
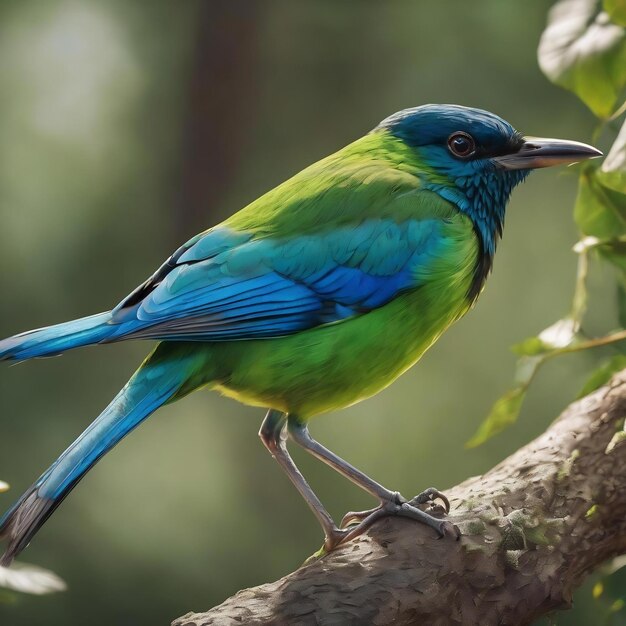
{"x":583,"y":49}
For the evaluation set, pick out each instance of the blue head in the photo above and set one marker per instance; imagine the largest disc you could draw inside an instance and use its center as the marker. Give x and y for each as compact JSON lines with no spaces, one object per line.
{"x":474,"y":159}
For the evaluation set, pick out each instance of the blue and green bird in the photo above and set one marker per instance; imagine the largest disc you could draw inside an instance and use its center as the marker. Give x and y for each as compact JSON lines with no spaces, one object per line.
{"x":315,"y":296}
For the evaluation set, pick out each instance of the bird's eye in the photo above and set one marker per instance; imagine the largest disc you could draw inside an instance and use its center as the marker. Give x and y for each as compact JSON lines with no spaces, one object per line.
{"x":461,"y":144}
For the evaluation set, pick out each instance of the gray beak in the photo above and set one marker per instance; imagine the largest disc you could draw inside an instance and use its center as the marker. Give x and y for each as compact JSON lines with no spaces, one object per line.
{"x":538,"y":152}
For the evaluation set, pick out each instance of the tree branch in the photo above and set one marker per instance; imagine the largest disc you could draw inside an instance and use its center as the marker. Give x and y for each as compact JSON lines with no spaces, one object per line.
{"x":532,"y":528}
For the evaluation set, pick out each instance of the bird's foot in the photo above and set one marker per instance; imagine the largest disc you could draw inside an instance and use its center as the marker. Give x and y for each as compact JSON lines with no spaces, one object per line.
{"x":355,"y":523}
{"x":428,"y":496}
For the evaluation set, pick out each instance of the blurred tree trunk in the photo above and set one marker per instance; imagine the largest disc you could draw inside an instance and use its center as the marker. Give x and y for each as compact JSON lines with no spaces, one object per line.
{"x":532,"y":529}
{"x":219,"y":115}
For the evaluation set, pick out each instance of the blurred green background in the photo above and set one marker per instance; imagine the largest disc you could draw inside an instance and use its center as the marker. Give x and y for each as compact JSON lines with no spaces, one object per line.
{"x":128,"y":126}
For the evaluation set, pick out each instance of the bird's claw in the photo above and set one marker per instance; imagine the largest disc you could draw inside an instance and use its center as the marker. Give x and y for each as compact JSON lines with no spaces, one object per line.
{"x":355,"y":523}
{"x":342,"y":535}
{"x":352,"y":517}
{"x":430,"y":496}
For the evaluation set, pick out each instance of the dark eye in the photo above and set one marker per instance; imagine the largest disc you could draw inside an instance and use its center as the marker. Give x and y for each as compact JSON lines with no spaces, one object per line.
{"x":461,"y":144}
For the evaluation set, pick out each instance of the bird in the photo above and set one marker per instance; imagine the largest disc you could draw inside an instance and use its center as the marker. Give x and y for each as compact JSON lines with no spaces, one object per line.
{"x":315,"y":296}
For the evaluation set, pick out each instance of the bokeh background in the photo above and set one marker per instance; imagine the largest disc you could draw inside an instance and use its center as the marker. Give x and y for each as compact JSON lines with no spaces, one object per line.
{"x":128,"y":126}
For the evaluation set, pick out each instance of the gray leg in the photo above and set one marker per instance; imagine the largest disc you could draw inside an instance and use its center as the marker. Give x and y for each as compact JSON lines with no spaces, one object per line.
{"x":273,"y":435}
{"x":391,"y":502}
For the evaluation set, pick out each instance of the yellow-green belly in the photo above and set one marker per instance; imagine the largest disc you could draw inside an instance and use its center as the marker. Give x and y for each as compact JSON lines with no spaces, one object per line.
{"x":337,"y":365}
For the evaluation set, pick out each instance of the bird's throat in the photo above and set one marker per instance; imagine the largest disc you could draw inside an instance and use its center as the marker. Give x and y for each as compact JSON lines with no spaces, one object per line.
{"x":483,"y":197}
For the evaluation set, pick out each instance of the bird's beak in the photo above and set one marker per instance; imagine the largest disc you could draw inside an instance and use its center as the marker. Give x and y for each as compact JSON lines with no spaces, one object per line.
{"x":537,"y":152}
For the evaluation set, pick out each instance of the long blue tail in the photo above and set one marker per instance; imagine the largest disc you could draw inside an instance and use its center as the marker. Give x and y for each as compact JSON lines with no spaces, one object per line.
{"x":59,"y":338}
{"x":156,"y":382}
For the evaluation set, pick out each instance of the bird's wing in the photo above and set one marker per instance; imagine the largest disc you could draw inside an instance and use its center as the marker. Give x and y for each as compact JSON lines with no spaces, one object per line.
{"x":341,"y":238}
{"x":226,"y":284}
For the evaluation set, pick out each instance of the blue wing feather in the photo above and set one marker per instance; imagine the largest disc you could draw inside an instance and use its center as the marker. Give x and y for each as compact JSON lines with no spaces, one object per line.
{"x":225,"y":284}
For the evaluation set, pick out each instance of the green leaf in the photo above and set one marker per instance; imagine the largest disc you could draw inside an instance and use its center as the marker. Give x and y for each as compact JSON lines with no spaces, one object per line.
{"x":561,"y":334}
{"x":616,"y":10}
{"x":603,"y":374}
{"x":614,"y":251}
{"x":599,"y":211}
{"x":612,"y":174}
{"x":503,"y":413}
{"x":581,"y":50}
{"x":506,"y":409}
{"x":531,"y":346}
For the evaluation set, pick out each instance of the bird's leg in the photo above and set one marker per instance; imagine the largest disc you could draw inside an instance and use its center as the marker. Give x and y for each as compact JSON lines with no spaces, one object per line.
{"x":273,"y":434}
{"x":391,"y":502}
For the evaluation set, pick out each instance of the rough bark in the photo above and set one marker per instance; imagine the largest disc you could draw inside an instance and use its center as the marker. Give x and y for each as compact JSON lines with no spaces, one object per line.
{"x":532,"y":528}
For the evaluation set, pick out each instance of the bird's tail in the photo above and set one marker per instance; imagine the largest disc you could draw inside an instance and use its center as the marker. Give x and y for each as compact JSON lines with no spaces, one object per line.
{"x":166,"y":374}
{"x":53,"y":340}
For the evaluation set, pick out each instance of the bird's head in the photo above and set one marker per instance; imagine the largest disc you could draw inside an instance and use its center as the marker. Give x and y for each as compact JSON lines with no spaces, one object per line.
{"x":474,"y":158}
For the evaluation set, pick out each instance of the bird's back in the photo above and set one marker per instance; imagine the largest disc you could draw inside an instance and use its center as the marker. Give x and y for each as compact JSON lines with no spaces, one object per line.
{"x":353,"y":184}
